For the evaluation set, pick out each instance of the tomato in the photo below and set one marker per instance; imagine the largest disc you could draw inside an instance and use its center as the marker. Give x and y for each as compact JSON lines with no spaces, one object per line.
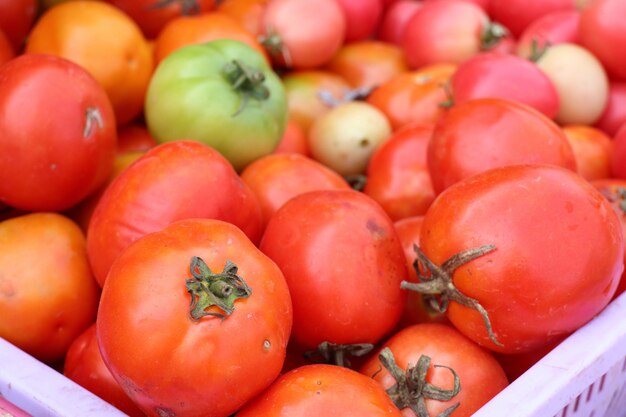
{"x":6,"y":49}
{"x":275,"y":179}
{"x":397,"y":174}
{"x":487,"y":133}
{"x":592,"y":150}
{"x":501,"y":233}
{"x":345,"y":137}
{"x":414,"y":97}
{"x":85,"y":366}
{"x":294,"y":140}
{"x":367,"y":64}
{"x":481,"y":377}
{"x":81,"y":32}
{"x":450,"y":31}
{"x":515,"y":365}
{"x":618,"y":167}
{"x":343,"y":263}
{"x":551,"y":29}
{"x":190,"y":30}
{"x":604,"y":34}
{"x":516,"y":15}
{"x":322,"y":390}
{"x":580,"y":81}
{"x":362,"y":18}
{"x":16,"y":19}
{"x":395,"y":19}
{"x":47,"y":293}
{"x":614,"y":115}
{"x":497,"y":75}
{"x":134,"y":138}
{"x":224,"y":329}
{"x":249,"y":13}
{"x":58,"y":133}
{"x":298,"y":41}
{"x":153,"y":15}
{"x":303,"y":90}
{"x":198,"y":183}
{"x":230,"y":98}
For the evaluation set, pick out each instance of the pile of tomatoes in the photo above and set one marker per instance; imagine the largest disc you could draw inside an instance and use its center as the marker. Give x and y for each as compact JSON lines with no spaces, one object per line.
{"x":308,"y":207}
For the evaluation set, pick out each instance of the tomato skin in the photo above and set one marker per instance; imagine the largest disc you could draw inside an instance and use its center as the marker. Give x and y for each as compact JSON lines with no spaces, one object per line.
{"x":43,"y":316}
{"x":84,"y":365}
{"x":618,"y":167}
{"x":294,"y":140}
{"x":497,"y":75}
{"x":592,"y":150}
{"x":51,"y":160}
{"x":198,"y":183}
{"x":323,"y":390}
{"x":481,"y":377}
{"x":614,"y":115}
{"x":395,"y":19}
{"x":527,"y":211}
{"x":516,"y":15}
{"x":191,"y":81}
{"x":249,"y":13}
{"x":340,"y":254}
{"x":397,"y":174}
{"x":487,"y":133}
{"x":550,"y":29}
{"x":362,"y":18}
{"x":16,"y":20}
{"x":144,"y":299}
{"x":134,"y":138}
{"x":6,"y":49}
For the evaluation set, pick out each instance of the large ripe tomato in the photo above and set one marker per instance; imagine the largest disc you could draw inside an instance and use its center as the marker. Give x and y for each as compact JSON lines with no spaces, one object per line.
{"x":592,"y":149}
{"x":516,"y":15}
{"x":614,"y":115}
{"x":106,"y":42}
{"x":295,"y":39}
{"x":322,"y":390}
{"x":222,"y":93}
{"x":498,"y":241}
{"x":84,"y":365}
{"x":550,"y":29}
{"x":153,"y":15}
{"x":362,"y":18}
{"x":487,"y":133}
{"x":481,"y":377}
{"x":47,"y":293}
{"x":57,"y":133}
{"x":16,"y":19}
{"x":343,"y":263}
{"x":603,"y":32}
{"x":397,"y":174}
{"x":208,"y":315}
{"x":174,"y":181}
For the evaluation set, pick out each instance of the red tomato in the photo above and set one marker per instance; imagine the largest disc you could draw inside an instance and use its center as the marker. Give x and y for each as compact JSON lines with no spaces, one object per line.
{"x":58,"y":133}
{"x":296,"y":39}
{"x":592,"y":150}
{"x":550,"y":29}
{"x":497,"y":75}
{"x":340,"y":254}
{"x":395,"y":19}
{"x":614,"y":115}
{"x":516,"y":15}
{"x":16,"y":20}
{"x":134,"y":138}
{"x":488,"y":133}
{"x":275,"y":179}
{"x":47,"y":293}
{"x":414,"y":97}
{"x":603,"y":32}
{"x":362,"y":18}
{"x":189,"y":348}
{"x":152,"y":15}
{"x":174,"y":181}
{"x":480,"y":375}
{"x":85,"y":366}
{"x":322,"y":390}
{"x":249,"y":13}
{"x":397,"y":174}
{"x":618,"y":159}
{"x":294,"y":140}
{"x":6,"y":49}
{"x":515,"y":365}
{"x":513,"y":221}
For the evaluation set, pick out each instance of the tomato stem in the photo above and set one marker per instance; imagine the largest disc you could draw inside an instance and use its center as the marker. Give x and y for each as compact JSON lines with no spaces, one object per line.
{"x":209,"y":289}
{"x":536,"y":52}
{"x":246,"y":80}
{"x":273,"y":44}
{"x":437,"y":287}
{"x":411,"y":389}
{"x":491,"y":35}
{"x":336,"y":354}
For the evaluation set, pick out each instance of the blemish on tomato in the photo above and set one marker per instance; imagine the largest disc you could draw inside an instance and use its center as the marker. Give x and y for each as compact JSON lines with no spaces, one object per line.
{"x":375,"y":229}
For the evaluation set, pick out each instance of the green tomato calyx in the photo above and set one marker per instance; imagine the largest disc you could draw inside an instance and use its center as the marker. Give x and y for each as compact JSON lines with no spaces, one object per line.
{"x":209,"y":289}
{"x":411,"y":389}
{"x":336,"y":354}
{"x":247,"y":81}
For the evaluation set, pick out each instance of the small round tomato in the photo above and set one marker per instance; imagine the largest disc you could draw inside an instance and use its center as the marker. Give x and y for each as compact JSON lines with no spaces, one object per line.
{"x":322,"y":390}
{"x":134,"y":138}
{"x":58,"y":133}
{"x":84,"y":365}
{"x":614,"y":115}
{"x":362,"y":18}
{"x":16,"y":19}
{"x":47,"y":293}
{"x":592,"y":150}
{"x":487,"y":133}
{"x":551,"y":29}
{"x":249,"y":13}
{"x":618,"y":167}
{"x":516,"y":15}
{"x":450,"y":355}
{"x":207,"y":313}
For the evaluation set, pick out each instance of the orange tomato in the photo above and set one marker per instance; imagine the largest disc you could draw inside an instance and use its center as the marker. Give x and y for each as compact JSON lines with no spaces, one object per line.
{"x":294,"y":140}
{"x":592,"y":150}
{"x":368,"y":63}
{"x":104,"y":41}
{"x":188,"y":30}
{"x":134,"y":138}
{"x":249,"y":13}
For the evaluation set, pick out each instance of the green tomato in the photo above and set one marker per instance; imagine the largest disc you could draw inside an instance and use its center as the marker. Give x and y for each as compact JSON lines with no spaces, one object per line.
{"x":222,"y":93}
